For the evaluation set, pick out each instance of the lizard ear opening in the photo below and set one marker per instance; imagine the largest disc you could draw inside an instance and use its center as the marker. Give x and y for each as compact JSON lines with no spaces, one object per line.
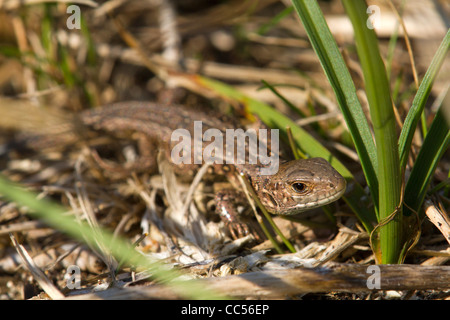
{"x":269,"y":201}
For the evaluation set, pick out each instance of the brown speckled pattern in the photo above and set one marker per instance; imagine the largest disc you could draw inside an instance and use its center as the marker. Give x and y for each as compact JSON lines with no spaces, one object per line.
{"x":298,"y":185}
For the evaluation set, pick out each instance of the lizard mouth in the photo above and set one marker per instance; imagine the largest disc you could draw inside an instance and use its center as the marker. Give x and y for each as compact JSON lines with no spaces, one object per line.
{"x":319,"y":200}
{"x":322,"y":199}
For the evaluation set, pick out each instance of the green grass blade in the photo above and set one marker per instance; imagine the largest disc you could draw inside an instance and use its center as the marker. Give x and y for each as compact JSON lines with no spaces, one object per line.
{"x":343,"y":86}
{"x":274,"y":21}
{"x":420,"y":99}
{"x":383,"y":119}
{"x":434,"y":145}
{"x":53,"y":214}
{"x":269,"y":219}
{"x":282,"y":98}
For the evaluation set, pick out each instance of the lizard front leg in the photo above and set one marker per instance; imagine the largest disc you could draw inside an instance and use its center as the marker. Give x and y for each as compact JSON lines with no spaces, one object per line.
{"x":227,"y":203}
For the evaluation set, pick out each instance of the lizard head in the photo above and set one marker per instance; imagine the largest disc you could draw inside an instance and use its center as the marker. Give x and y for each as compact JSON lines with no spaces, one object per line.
{"x":300,"y":185}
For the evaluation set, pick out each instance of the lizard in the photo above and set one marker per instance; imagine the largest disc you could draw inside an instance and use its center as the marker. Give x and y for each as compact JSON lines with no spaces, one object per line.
{"x":298,"y":185}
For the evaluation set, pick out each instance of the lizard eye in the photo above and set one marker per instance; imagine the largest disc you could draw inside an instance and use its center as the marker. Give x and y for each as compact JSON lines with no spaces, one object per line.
{"x":299,"y":187}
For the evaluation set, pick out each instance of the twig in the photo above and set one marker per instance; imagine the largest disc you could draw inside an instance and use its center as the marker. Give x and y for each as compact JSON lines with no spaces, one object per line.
{"x":38,"y":275}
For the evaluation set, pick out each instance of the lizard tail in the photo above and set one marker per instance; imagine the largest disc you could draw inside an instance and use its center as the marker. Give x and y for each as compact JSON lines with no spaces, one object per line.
{"x":32,"y":123}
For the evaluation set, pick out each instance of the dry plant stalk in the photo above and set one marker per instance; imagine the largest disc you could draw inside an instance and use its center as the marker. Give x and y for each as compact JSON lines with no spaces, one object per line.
{"x":439,"y":218}
{"x":38,"y":275}
{"x":281,"y":283}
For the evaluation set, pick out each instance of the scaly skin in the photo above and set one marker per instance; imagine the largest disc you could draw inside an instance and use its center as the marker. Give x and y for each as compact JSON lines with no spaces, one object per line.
{"x":298,"y":185}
